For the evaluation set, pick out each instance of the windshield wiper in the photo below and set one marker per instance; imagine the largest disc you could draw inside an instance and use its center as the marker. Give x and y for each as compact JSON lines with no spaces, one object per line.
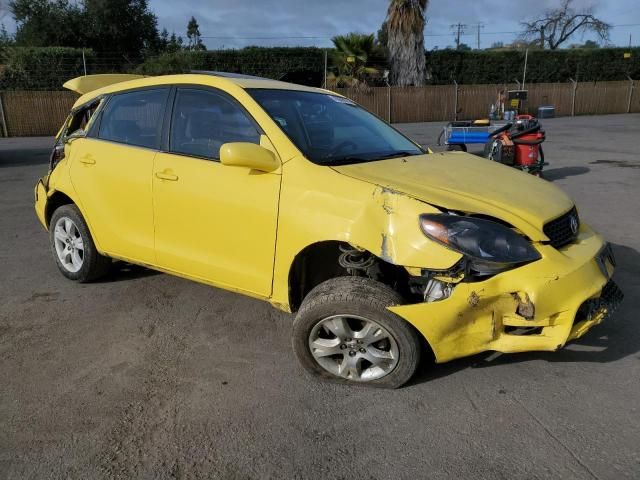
{"x":350,"y":159}
{"x":346,"y":160}
{"x":399,"y":154}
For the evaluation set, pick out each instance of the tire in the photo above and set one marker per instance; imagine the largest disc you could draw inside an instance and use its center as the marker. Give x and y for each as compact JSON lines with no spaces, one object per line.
{"x":488,"y":150}
{"x":73,"y":249}
{"x":346,"y":305}
{"x":456,"y":147}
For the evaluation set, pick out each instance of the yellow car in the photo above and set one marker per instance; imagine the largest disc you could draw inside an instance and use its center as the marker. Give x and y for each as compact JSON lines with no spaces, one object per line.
{"x":386,"y":251}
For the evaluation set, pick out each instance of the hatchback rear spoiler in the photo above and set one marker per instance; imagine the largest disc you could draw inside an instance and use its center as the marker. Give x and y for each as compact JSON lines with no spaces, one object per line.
{"x":89,"y":83}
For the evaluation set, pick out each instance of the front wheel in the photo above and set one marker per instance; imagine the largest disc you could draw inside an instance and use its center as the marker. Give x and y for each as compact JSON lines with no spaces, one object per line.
{"x":73,"y":248}
{"x":344,"y":332}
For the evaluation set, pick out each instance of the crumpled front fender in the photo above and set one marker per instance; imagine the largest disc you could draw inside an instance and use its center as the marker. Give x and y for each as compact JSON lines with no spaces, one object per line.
{"x":482,"y":316}
{"x":388,"y":226}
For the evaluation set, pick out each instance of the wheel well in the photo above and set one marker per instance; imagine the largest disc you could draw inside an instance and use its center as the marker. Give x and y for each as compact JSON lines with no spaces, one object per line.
{"x":54,"y":202}
{"x":322,"y":261}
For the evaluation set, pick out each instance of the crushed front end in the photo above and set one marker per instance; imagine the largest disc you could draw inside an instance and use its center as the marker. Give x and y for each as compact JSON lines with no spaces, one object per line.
{"x":538,"y":306}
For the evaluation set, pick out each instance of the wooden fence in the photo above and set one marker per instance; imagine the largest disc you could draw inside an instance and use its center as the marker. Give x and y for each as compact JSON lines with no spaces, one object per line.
{"x":30,"y":113}
{"x":440,"y":102}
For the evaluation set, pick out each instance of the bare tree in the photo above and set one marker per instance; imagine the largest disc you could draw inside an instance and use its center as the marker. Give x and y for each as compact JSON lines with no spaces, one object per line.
{"x":559,"y":24}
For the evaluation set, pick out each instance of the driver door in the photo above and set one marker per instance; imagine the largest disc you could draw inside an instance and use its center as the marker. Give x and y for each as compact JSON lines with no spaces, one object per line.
{"x":213,"y":222}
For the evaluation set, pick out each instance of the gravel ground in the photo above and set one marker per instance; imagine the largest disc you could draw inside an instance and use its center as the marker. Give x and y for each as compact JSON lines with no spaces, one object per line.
{"x":150,"y":376}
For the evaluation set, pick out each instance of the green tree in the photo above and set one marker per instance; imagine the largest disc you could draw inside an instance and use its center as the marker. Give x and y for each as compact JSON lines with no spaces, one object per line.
{"x":193,"y":36}
{"x":44,"y":23}
{"x":405,"y":29}
{"x":382,"y":37}
{"x":351,"y":59}
{"x":169,"y":44}
{"x":6,"y":40}
{"x":123,"y":27}
{"x":590,"y":44}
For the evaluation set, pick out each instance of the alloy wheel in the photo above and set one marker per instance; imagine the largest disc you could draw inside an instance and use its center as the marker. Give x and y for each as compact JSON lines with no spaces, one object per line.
{"x":69,"y":244}
{"x":353,"y":347}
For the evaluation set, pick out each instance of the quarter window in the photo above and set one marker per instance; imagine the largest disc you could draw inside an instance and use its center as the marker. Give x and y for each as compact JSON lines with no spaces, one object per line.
{"x":203,"y":121}
{"x":134,"y":118}
{"x":81,"y":120}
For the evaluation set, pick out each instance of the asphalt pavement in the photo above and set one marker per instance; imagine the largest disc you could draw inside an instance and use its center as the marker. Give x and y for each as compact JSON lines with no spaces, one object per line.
{"x":145,"y":375}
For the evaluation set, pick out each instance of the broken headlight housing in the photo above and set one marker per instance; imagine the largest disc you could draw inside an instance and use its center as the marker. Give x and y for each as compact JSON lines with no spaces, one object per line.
{"x":490,"y":247}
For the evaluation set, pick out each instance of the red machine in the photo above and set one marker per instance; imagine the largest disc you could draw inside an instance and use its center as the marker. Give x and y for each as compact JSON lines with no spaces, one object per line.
{"x":518,"y":145}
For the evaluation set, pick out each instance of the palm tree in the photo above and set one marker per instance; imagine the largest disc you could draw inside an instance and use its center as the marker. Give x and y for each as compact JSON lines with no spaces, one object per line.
{"x":351,"y":58}
{"x":405,"y":30}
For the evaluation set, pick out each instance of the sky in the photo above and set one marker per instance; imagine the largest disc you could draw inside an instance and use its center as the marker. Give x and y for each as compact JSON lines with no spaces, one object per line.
{"x":326,"y":18}
{"x":229,"y":23}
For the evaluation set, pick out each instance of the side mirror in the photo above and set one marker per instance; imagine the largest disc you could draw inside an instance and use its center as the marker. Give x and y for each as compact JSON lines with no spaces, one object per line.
{"x":250,"y":155}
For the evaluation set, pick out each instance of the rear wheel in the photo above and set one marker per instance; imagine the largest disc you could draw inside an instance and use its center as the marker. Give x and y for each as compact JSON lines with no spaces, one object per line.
{"x":345,"y":333}
{"x":73,"y":248}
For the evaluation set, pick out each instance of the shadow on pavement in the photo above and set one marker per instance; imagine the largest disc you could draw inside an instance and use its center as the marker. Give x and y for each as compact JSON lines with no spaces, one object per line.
{"x":122,"y":272}
{"x":564,"y":172}
{"x":616,"y":338}
{"x":24,"y":156}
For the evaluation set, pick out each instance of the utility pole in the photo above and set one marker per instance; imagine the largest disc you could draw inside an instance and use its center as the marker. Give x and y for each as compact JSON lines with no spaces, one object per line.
{"x":459,"y":28}
{"x":524,"y":73}
{"x":324,"y":81}
{"x":479,"y":26}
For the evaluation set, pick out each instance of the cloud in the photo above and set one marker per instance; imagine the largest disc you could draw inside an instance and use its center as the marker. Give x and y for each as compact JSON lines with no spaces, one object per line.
{"x":266,"y":19}
{"x":229,"y":23}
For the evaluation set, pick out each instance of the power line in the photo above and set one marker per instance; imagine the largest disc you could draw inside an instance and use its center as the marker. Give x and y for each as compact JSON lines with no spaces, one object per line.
{"x":326,"y":37}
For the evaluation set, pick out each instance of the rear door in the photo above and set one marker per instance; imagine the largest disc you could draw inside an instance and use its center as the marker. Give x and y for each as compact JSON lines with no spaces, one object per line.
{"x":214,"y":222}
{"x":111,"y":171}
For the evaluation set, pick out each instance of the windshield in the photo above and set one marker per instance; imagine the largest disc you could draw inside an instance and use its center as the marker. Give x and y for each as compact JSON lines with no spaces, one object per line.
{"x":332,"y":130}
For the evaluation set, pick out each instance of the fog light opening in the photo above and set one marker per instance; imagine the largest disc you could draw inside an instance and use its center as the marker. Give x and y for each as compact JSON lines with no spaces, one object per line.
{"x":522,"y":331}
{"x":526,"y":309}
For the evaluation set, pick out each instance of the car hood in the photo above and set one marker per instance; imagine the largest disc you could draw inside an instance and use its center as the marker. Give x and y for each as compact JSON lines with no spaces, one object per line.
{"x":464,"y":182}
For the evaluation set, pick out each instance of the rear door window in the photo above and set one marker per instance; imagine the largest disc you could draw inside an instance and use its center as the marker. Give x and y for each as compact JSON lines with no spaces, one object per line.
{"x":204,"y":120}
{"x":134,"y":118}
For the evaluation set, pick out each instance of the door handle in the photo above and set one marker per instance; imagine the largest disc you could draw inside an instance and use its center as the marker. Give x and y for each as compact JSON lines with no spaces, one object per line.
{"x":167,"y":176}
{"x":88,"y":160}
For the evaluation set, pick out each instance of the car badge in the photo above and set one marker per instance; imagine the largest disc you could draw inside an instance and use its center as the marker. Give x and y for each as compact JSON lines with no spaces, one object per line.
{"x":573,"y":221}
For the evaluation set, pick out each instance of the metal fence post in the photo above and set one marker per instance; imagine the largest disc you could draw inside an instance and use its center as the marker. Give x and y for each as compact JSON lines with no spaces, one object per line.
{"x":388,"y":102}
{"x":631,"y":87}
{"x":3,"y":118}
{"x":573,"y":97}
{"x":324,"y":81}
{"x":455,"y":101}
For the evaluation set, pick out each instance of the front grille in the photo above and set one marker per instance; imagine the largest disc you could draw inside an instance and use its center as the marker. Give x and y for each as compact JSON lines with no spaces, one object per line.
{"x":564,"y":229}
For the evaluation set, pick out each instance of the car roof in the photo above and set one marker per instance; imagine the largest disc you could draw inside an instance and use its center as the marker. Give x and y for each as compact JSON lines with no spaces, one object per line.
{"x":223,"y":80}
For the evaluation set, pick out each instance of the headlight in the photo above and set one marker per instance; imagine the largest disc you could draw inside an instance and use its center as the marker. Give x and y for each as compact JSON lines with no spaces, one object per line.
{"x":490,"y":246}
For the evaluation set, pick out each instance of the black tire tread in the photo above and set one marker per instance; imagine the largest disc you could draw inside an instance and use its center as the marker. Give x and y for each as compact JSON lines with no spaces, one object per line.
{"x":359,"y":293}
{"x":95,"y":265}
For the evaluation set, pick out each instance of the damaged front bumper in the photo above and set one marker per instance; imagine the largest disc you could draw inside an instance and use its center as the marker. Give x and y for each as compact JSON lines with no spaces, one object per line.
{"x":564,"y":294}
